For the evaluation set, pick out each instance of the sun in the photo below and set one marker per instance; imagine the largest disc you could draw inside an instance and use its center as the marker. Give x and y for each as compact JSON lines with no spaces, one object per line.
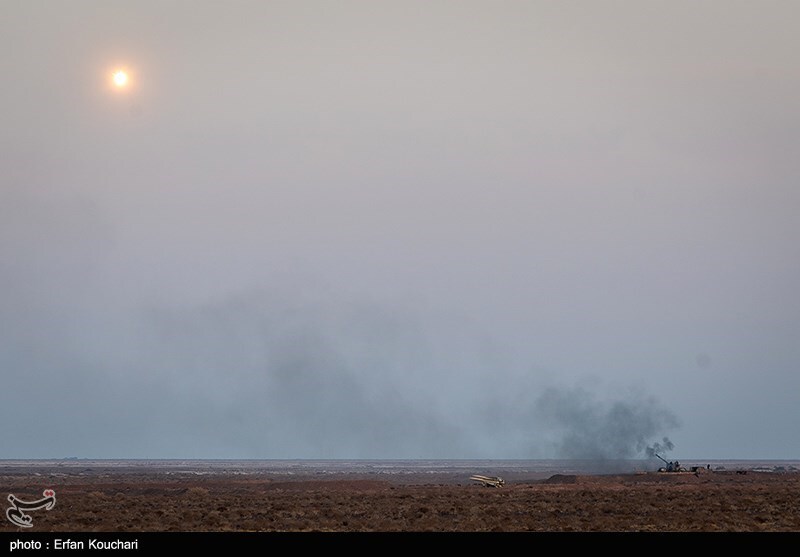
{"x":120,"y":78}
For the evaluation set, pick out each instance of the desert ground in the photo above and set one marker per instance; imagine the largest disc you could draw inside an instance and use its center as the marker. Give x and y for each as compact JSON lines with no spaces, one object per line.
{"x":152,"y":500}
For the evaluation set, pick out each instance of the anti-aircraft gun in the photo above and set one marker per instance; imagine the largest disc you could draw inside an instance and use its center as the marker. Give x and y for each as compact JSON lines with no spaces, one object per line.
{"x":670,"y":466}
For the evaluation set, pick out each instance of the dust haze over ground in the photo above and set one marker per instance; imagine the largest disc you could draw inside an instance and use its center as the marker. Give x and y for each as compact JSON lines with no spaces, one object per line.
{"x":399,"y":230}
{"x":260,"y":380}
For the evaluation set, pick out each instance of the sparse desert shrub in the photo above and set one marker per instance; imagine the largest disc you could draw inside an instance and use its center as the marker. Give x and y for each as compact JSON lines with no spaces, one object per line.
{"x":196,"y":491}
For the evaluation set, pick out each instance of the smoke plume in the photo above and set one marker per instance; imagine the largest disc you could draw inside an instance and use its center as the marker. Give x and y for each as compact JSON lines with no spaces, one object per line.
{"x":659,"y":448}
{"x":588,"y":428}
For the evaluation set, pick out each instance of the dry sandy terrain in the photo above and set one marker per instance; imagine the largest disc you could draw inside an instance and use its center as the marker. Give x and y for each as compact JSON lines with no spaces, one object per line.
{"x":728,"y":501}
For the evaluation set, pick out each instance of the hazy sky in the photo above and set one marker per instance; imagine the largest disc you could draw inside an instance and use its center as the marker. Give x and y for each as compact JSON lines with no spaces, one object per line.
{"x":383,"y":229}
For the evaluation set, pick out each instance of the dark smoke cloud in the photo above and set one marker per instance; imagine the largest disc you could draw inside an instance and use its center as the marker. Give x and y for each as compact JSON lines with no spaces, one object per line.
{"x":659,"y":448}
{"x":604,"y":430}
{"x":337,"y":381}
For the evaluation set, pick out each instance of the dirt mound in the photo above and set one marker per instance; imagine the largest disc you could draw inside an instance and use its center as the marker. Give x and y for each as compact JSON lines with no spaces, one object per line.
{"x":562,"y":479}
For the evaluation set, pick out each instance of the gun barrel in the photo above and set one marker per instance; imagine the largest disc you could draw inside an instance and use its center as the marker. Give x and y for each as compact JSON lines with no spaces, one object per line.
{"x":661,"y":457}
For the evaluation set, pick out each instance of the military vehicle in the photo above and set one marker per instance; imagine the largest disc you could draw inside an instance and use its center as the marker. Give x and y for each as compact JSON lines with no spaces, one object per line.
{"x":488,"y":481}
{"x":670,"y":466}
